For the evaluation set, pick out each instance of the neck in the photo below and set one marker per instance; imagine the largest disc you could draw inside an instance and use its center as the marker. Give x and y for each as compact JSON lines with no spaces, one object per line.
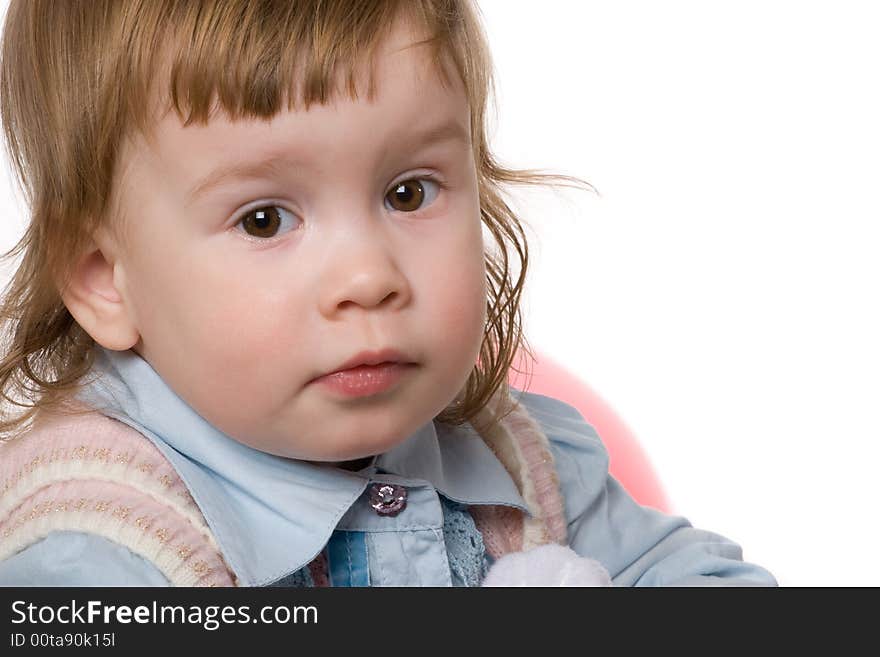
{"x":357,"y":464}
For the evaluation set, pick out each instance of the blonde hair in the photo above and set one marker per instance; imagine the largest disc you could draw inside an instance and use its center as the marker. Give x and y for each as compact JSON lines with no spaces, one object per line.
{"x":77,"y":78}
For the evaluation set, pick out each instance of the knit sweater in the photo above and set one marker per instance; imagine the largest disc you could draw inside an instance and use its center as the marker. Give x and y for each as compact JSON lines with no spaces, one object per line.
{"x":91,"y":473}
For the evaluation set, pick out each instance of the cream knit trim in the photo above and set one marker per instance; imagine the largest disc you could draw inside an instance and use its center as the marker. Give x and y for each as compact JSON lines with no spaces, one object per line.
{"x":92,"y":524}
{"x":59,"y":471}
{"x":77,"y":448}
{"x":125,"y":516}
{"x":524,"y":450}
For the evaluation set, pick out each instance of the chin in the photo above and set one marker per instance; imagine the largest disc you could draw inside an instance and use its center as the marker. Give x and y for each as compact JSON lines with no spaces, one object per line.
{"x":365,"y":448}
{"x":349,"y":440}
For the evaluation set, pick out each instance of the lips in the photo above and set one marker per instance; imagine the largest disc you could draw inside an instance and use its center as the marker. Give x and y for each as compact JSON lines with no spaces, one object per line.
{"x":372,"y":358}
{"x":367,"y":374}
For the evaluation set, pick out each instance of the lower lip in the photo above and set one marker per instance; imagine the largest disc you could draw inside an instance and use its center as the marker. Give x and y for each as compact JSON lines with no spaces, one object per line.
{"x":364,"y":380}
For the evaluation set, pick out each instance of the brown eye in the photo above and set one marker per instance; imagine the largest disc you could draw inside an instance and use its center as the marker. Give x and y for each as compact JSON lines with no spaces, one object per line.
{"x":263,"y":222}
{"x":409,"y":195}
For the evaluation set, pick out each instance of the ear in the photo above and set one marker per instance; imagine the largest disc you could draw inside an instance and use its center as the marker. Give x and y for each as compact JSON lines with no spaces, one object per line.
{"x":95,"y":296}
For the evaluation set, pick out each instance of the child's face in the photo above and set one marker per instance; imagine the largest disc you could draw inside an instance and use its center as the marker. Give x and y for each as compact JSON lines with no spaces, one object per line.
{"x":238,"y":327}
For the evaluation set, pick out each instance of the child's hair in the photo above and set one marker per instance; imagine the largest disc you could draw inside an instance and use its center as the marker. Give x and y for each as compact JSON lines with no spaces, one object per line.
{"x":78,"y":77}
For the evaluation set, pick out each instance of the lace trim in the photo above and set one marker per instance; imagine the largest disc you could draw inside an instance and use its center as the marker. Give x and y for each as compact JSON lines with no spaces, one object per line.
{"x":468,"y":562}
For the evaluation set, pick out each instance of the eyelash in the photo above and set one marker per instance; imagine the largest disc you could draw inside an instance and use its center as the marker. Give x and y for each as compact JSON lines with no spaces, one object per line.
{"x":441,"y":184}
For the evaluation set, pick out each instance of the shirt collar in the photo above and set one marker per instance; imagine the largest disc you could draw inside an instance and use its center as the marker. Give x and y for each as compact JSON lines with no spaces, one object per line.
{"x":272,"y":515}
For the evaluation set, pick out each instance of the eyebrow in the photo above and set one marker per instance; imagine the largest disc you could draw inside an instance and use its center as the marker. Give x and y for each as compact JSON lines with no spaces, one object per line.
{"x":450,"y":131}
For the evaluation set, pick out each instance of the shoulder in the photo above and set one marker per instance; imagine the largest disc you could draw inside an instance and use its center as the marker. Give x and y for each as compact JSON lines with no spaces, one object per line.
{"x":563,"y":423}
{"x":580,"y":458}
{"x":637,"y":544}
{"x":91,"y":474}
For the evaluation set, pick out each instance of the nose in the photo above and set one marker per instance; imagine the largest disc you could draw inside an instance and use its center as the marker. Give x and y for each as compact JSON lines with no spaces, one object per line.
{"x":363,"y":272}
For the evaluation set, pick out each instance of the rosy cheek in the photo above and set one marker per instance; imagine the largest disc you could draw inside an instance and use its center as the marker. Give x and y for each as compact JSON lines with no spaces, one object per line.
{"x":460,"y":303}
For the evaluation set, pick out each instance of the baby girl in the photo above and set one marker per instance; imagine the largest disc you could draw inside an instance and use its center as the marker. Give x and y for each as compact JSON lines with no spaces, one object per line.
{"x":266,"y":312}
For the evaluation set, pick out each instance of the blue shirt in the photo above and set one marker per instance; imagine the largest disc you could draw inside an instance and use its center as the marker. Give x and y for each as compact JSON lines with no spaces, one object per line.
{"x":272,"y":515}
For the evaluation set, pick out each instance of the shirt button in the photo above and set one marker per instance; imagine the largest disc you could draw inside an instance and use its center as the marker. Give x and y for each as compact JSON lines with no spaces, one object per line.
{"x":387,"y":499}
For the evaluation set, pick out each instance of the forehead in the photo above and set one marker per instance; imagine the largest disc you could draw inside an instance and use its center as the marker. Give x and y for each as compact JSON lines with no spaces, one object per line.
{"x":410,"y":93}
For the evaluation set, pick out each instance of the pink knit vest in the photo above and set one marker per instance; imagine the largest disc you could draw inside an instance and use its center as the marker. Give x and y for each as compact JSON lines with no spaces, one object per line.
{"x":91,"y":473}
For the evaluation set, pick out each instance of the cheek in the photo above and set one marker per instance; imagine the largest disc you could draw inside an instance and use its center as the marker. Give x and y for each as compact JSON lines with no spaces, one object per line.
{"x":242,"y":324}
{"x":224,"y":323}
{"x":456,"y":294}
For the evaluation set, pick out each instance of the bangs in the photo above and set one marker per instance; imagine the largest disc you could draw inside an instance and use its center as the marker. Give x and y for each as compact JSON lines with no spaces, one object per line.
{"x":254,"y":59}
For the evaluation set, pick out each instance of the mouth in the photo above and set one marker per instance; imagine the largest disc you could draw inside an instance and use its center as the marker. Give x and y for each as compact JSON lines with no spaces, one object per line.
{"x":367,"y":374}
{"x":372,"y":358}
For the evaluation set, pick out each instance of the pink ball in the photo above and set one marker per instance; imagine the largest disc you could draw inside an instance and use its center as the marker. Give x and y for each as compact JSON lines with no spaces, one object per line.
{"x":627,"y":460}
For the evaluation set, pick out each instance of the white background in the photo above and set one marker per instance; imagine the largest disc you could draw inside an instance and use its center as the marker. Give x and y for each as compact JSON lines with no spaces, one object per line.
{"x":720,"y":294}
